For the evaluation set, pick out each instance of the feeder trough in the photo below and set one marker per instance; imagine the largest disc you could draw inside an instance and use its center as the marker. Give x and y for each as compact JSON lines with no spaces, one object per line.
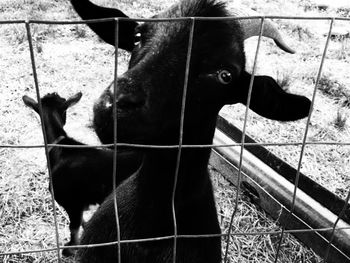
{"x":269,"y":182}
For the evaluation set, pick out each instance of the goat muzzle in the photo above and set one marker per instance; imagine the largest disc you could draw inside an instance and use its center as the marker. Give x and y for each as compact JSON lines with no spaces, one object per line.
{"x":130,"y":101}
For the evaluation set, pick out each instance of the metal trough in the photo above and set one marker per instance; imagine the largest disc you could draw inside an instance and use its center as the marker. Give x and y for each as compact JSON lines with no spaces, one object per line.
{"x":274,"y":193}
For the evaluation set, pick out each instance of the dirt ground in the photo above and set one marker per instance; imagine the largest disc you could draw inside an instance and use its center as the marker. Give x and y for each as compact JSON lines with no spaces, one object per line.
{"x":71,"y":59}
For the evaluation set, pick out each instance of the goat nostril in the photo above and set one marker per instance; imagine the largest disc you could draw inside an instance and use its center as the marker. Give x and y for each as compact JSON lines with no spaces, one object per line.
{"x":130,"y":101}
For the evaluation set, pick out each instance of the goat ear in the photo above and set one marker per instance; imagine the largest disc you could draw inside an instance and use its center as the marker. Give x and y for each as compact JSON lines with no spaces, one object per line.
{"x":73,"y":100}
{"x":106,"y":30}
{"x":271,"y":101}
{"x":30,"y":103}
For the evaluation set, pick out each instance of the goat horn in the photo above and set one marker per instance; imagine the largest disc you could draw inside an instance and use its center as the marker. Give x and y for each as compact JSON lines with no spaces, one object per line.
{"x":251,"y":27}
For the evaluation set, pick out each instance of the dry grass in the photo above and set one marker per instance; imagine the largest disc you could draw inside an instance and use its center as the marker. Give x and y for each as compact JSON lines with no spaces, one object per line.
{"x":249,"y":218}
{"x":71,"y":59}
{"x":327,"y":165}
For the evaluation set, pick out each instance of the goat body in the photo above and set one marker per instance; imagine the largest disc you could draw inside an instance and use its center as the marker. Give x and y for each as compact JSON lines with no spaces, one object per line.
{"x":83,"y":177}
{"x":80,"y":176}
{"x":149,"y":101}
{"x":144,"y":208}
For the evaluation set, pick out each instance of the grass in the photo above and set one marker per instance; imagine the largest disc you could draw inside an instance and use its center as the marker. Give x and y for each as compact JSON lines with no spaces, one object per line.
{"x":330,"y":168}
{"x":343,"y":51}
{"x":303,"y":33}
{"x":253,"y":248}
{"x":80,"y":31}
{"x":15,"y":35}
{"x":284,"y":80}
{"x":71,"y":59}
{"x":340,"y":121}
{"x":335,"y":90}
{"x":344,"y":11}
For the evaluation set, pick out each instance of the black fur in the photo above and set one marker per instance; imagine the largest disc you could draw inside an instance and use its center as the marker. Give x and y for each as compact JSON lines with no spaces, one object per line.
{"x":105,"y":30}
{"x":149,"y":107}
{"x":81,"y":177}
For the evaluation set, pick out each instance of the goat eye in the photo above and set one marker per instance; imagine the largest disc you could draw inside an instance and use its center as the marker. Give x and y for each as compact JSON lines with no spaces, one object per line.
{"x":137,"y":39}
{"x":224,"y":76}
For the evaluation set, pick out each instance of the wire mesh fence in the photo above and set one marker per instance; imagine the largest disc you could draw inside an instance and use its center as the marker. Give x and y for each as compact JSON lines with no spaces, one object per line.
{"x":180,"y":145}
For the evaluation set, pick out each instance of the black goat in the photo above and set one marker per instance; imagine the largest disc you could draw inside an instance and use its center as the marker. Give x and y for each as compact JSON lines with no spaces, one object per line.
{"x":81,"y":177}
{"x":149,"y":103}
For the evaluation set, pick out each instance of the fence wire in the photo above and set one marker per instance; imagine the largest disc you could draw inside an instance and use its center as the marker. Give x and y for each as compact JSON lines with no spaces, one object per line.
{"x":180,"y":146}
{"x":296,"y":182}
{"x":115,"y":123}
{"x":37,"y":89}
{"x":243,"y":138}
